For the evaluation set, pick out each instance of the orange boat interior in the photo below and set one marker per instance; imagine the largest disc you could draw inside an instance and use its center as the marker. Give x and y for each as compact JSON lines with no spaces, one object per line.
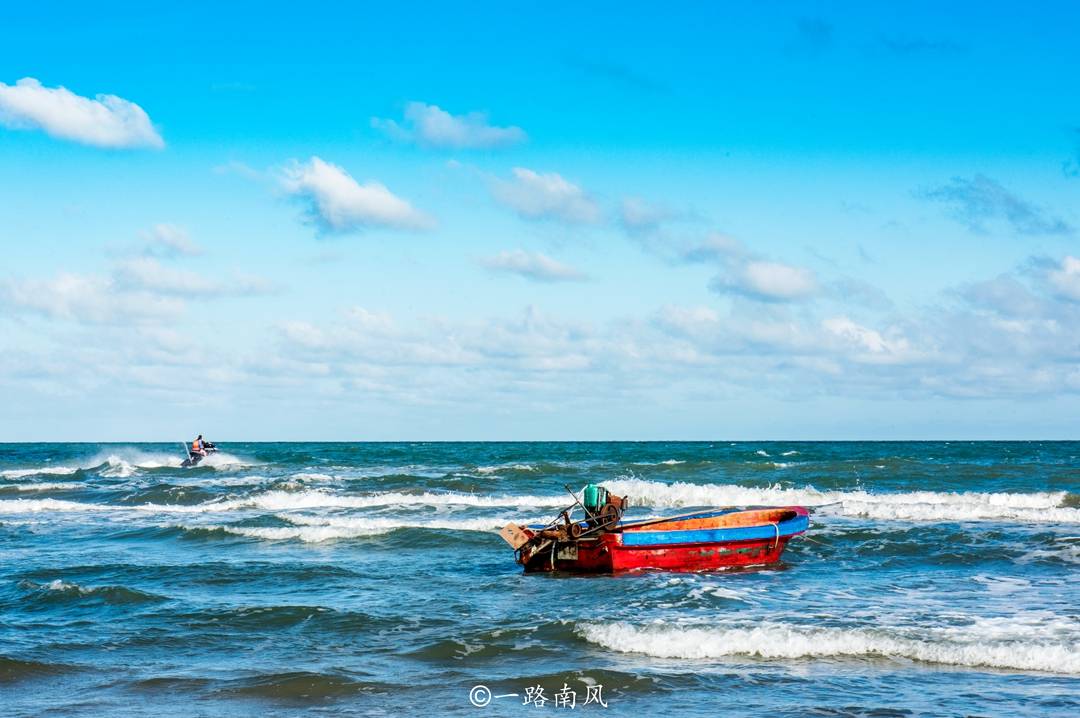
{"x":754,"y":517}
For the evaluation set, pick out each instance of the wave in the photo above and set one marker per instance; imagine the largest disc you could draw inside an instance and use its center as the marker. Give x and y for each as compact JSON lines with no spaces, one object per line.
{"x":14,"y":669}
{"x":279,"y":500}
{"x":126,"y":462}
{"x":311,"y":529}
{"x":287,"y":500}
{"x":43,"y":486}
{"x":39,"y":471}
{"x":911,"y":506}
{"x":504,"y":467}
{"x":59,"y":589}
{"x":131,"y":462}
{"x":1039,"y":507}
{"x":302,"y":686}
{"x":768,"y":641}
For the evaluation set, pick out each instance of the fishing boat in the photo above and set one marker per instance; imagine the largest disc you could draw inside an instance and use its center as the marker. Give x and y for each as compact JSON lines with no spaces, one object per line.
{"x":602,"y":542}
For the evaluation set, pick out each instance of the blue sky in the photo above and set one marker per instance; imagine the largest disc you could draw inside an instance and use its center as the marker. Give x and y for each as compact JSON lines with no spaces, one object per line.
{"x":538,"y":221}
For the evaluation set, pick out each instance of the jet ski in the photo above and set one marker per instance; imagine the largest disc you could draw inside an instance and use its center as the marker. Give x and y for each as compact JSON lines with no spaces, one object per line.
{"x":194,"y":459}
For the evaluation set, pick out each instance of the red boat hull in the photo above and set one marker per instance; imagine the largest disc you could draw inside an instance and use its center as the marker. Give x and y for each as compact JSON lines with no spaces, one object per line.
{"x":606,"y":554}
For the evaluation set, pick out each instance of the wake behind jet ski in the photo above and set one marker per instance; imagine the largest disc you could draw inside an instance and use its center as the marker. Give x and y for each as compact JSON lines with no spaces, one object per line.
{"x":196,"y":452}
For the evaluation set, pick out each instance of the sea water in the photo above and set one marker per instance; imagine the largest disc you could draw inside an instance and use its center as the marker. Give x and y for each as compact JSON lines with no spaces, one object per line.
{"x":368,"y":579}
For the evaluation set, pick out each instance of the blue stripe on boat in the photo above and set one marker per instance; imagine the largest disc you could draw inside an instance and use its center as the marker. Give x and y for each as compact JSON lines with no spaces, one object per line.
{"x":742,"y":533}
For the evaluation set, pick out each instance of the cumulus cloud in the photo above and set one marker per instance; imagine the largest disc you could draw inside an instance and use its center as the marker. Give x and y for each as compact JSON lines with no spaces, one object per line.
{"x":767,"y":281}
{"x":549,"y":196}
{"x":870,"y":344}
{"x":980,"y":200}
{"x":747,"y":274}
{"x":532,"y":265}
{"x":339,"y":203}
{"x":432,"y":126}
{"x":104,"y":121}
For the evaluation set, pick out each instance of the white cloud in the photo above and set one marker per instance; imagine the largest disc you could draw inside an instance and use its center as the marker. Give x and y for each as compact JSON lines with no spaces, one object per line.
{"x":168,"y":240}
{"x":870,"y":345}
{"x":340,"y":203}
{"x":768,"y":281}
{"x":138,"y":289}
{"x":1065,"y":279}
{"x":545,"y":197}
{"x":89,"y":299}
{"x":146,"y":273}
{"x":105,"y":121}
{"x":636,"y":215}
{"x":149,"y":275}
{"x":431,"y":126}
{"x":532,"y":265}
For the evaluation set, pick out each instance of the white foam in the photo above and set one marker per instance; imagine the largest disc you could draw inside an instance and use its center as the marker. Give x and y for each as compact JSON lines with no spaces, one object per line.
{"x":480,"y":524}
{"x":288,"y":500}
{"x":504,"y":467}
{"x":44,"y":486}
{"x":61,"y":586}
{"x":125,"y":462}
{"x":43,"y":470}
{"x":280,"y":500}
{"x":312,"y":529}
{"x":222,"y":460}
{"x":312,"y":477}
{"x":307,"y":534}
{"x":33,"y":506}
{"x":761,"y":452}
{"x":770,"y":641}
{"x":908,"y":506}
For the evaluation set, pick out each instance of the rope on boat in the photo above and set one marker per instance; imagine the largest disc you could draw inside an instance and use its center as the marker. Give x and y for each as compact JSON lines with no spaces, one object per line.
{"x":776,"y":526}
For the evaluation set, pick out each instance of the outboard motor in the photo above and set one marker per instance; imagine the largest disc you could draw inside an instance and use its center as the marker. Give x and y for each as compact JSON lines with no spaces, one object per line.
{"x":604,"y":508}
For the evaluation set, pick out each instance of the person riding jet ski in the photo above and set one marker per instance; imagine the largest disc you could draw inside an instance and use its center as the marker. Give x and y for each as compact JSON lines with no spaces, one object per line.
{"x":199,"y":450}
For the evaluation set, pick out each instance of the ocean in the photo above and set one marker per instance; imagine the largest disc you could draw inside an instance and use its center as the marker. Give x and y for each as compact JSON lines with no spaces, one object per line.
{"x":340,"y":579}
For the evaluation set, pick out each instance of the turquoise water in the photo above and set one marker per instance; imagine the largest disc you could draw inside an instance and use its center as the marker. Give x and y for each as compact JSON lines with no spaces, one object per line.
{"x":367,"y":579}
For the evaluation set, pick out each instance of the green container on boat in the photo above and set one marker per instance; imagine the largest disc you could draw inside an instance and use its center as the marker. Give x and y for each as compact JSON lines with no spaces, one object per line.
{"x":594,"y":497}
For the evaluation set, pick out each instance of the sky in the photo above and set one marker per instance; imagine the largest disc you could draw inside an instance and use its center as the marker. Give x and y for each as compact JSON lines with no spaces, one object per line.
{"x":539,"y":221}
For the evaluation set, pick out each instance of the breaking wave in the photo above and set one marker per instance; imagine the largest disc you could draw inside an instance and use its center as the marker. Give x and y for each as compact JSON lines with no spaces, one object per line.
{"x":126,"y":462}
{"x":769,"y":641}
{"x":504,"y":467}
{"x":310,"y":529}
{"x":1039,"y":507}
{"x":1048,"y":506}
{"x":42,"y":486}
{"x":286,"y":500}
{"x":40,"y":471}
{"x":59,"y":589}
